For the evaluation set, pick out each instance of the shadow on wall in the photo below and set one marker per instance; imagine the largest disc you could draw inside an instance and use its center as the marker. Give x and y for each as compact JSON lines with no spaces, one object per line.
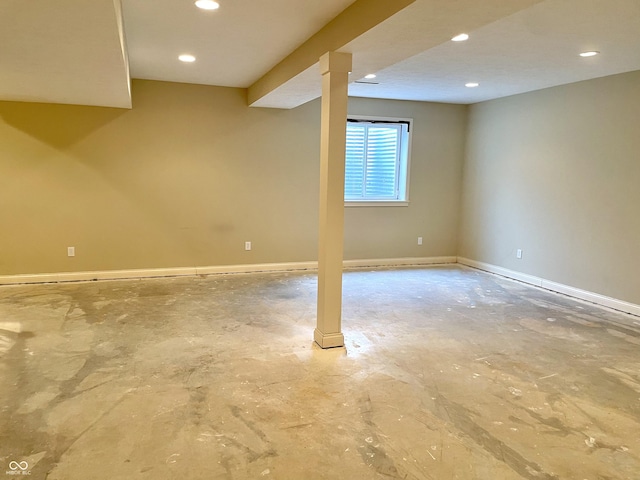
{"x":42,"y":120}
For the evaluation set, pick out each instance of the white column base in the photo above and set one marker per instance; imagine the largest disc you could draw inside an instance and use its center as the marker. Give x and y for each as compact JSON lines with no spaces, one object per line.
{"x":328,"y":340}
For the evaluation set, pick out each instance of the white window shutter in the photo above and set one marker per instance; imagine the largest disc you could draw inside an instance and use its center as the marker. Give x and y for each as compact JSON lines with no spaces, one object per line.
{"x":372,"y":161}
{"x":355,"y":161}
{"x":382,"y":162}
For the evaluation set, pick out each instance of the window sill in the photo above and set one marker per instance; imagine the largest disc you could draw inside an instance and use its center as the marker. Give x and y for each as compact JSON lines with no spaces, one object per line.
{"x":385,"y":203}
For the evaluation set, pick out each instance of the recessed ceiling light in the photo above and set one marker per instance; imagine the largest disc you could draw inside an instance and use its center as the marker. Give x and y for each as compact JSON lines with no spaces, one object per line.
{"x":370,"y":76}
{"x":471,"y":85}
{"x":589,"y":54}
{"x":207,"y":5}
{"x":187,"y":58}
{"x":460,"y":38}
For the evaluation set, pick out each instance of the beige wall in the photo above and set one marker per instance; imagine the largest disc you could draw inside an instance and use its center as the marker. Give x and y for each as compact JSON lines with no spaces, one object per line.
{"x":434,"y":190}
{"x":191,"y":173}
{"x":557,"y":174}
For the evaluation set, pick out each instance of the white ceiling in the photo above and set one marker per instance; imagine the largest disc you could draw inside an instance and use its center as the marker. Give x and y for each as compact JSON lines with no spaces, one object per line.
{"x":234,"y":45}
{"x":73,"y":51}
{"x":532,"y":49}
{"x":63,"y":51}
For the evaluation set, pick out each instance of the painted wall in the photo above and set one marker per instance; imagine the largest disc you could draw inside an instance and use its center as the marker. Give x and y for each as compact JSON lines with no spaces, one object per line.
{"x":191,"y":173}
{"x":557,"y":174}
{"x":434,"y":190}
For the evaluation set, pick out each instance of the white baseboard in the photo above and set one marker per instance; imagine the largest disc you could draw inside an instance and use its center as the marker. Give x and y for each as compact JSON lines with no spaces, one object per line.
{"x":258,"y":267}
{"x":592,"y":297}
{"x":586,"y":295}
{"x":398,"y":262}
{"x":212,"y":270}
{"x":504,"y":272}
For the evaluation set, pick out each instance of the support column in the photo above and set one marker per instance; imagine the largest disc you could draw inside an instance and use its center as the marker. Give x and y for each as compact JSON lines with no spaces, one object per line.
{"x":335,"y":68}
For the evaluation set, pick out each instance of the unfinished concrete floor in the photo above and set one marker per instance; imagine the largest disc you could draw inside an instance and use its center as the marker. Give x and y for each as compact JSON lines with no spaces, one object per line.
{"x":448,"y":373}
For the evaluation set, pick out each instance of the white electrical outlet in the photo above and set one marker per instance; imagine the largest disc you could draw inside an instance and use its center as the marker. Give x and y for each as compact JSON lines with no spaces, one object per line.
{"x":71,"y":251}
{"x":419,"y":240}
{"x":519,"y":253}
{"x":247,"y":246}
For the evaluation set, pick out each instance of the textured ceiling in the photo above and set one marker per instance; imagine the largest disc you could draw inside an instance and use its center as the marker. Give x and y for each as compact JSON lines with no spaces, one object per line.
{"x":532,"y":49}
{"x":74,"y":51}
{"x":421,"y":26}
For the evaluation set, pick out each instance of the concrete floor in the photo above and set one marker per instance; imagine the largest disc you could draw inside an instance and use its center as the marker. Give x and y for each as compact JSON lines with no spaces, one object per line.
{"x":448,"y":373}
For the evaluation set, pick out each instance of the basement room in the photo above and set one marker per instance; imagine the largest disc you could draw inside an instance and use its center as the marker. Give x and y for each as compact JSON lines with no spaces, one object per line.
{"x":365,"y":239}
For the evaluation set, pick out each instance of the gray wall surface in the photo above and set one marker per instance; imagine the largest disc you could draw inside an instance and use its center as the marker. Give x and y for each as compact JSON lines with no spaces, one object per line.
{"x":556,"y":173}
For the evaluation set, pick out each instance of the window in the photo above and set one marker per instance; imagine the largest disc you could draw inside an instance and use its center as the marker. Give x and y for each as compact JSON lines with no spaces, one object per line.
{"x":377,"y":160}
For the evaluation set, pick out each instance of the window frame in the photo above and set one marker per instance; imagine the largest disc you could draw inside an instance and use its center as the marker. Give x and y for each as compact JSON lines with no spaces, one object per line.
{"x":404,"y":167}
